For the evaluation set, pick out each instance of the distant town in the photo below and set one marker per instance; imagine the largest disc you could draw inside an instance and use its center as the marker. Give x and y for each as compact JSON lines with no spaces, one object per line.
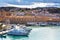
{"x":30,"y":16}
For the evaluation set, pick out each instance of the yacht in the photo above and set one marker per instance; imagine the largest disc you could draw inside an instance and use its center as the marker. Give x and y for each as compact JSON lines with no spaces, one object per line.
{"x":20,"y":30}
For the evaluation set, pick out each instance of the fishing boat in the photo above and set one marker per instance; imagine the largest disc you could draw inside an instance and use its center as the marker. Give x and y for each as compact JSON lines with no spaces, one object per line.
{"x":20,"y":31}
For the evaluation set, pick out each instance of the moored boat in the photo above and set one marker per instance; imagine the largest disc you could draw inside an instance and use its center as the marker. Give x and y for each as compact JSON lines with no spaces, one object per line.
{"x":20,"y":31}
{"x":4,"y":29}
{"x":43,"y":24}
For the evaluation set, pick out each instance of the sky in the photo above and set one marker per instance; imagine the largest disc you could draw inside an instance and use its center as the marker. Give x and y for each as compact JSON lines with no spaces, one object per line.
{"x":30,"y":3}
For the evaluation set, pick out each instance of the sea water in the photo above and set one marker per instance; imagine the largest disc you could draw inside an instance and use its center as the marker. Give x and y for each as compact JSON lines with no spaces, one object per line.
{"x":38,"y":33}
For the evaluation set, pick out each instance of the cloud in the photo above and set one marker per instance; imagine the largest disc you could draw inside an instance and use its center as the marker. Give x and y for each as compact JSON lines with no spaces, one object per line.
{"x":34,"y":5}
{"x":44,"y":4}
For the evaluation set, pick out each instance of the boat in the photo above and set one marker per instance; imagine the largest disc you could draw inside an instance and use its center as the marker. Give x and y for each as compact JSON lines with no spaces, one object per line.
{"x":4,"y":30}
{"x":43,"y":24}
{"x":20,"y":31}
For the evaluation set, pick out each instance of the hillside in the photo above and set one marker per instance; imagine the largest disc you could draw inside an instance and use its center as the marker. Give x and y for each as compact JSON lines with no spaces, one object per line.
{"x":50,"y":9}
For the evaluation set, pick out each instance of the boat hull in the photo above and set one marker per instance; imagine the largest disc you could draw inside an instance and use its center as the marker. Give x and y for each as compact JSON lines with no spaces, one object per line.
{"x":20,"y":32}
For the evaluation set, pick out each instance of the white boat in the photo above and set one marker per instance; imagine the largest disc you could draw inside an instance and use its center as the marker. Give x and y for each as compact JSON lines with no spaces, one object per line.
{"x":20,"y":31}
{"x":43,"y":24}
{"x":4,"y":30}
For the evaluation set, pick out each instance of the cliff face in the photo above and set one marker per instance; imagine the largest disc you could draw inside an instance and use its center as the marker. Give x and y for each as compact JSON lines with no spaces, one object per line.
{"x":7,"y":15}
{"x":31,"y":18}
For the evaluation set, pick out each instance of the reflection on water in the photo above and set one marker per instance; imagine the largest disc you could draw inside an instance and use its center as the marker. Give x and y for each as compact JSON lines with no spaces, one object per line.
{"x":17,"y":38}
{"x":42,"y":33}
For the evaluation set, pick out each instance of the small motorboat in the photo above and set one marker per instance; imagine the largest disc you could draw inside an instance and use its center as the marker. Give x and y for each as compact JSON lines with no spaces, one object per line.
{"x":43,"y":24}
{"x":20,"y":31}
{"x":4,"y":29}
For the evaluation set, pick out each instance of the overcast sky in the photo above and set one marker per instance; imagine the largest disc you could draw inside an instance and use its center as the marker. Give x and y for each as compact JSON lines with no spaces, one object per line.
{"x":31,"y":3}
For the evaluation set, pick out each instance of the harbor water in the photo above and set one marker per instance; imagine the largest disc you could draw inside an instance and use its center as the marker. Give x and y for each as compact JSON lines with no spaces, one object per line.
{"x":38,"y":33}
